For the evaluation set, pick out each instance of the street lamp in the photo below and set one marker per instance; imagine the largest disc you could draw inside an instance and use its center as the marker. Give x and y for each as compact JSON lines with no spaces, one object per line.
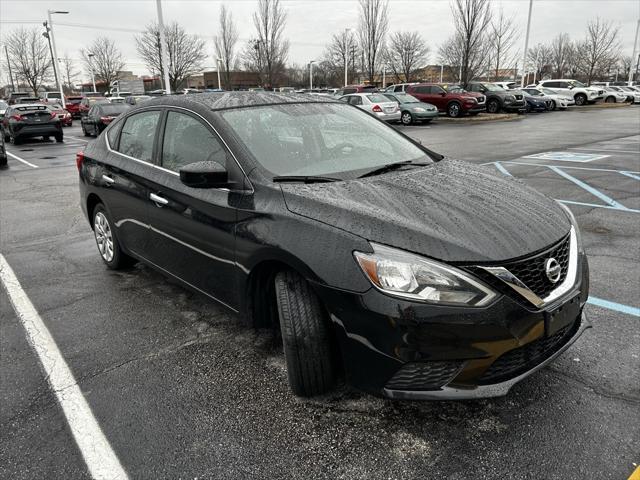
{"x":311,"y":74}
{"x":93,"y":79}
{"x":55,"y":53}
{"x":346,"y":54}
{"x":46,"y":35}
{"x":218,"y":61}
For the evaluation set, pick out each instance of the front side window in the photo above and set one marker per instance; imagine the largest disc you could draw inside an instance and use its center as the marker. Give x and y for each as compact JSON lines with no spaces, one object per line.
{"x":318,"y":139}
{"x":355,"y":100}
{"x":187,"y":140}
{"x":138,"y":134}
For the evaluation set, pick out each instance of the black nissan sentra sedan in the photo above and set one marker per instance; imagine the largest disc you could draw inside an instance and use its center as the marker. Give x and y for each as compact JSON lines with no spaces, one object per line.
{"x":415,"y":276}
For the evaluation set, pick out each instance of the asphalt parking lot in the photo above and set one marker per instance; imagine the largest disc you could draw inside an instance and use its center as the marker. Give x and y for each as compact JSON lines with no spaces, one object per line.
{"x":181,"y":389}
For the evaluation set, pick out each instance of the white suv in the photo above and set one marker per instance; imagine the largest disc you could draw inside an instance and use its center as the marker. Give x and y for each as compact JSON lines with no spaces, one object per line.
{"x":573,"y":88}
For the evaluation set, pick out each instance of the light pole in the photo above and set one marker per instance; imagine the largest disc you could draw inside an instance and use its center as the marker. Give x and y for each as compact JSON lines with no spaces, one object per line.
{"x":526,"y":44}
{"x":93,"y":79}
{"x":635,"y":50}
{"x":55,"y":53}
{"x":311,"y":74}
{"x":441,"y":72}
{"x":46,"y":35}
{"x":346,"y":55}
{"x":163,"y":48}
{"x":219,"y":61}
{"x":384,"y":75}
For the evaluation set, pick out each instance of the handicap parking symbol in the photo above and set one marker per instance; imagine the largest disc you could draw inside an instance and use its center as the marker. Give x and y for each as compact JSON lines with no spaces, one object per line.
{"x":567,"y":156}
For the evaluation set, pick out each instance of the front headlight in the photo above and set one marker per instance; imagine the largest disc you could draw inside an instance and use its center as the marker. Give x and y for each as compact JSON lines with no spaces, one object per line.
{"x":576,"y":228}
{"x":419,"y":109}
{"x":403,"y":274}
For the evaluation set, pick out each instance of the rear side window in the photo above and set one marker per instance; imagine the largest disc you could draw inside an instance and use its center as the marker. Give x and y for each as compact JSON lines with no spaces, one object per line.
{"x":188,"y":140}
{"x":398,"y":88}
{"x":425,"y":89}
{"x":112,"y":134}
{"x":138,"y":134}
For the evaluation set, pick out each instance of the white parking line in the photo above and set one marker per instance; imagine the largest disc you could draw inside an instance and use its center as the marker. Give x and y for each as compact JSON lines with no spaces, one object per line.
{"x":96,"y":451}
{"x":76,"y":138}
{"x":604,"y":150}
{"x":15,"y":157}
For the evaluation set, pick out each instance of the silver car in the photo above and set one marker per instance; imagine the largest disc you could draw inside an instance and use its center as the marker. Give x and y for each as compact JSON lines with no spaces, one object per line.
{"x":374,"y":103}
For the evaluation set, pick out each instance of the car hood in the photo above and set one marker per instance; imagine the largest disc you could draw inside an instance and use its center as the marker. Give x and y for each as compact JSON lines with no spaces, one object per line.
{"x":451,"y":211}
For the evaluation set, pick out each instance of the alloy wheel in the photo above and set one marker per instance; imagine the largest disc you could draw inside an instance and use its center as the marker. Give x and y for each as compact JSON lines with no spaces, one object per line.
{"x":406,"y":118}
{"x":454,"y":110}
{"x":493,"y":106}
{"x":104,"y":237}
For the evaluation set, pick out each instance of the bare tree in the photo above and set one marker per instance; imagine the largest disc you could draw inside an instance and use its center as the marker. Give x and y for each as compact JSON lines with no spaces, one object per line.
{"x":185,"y":53}
{"x":502,"y":37}
{"x":107,"y":59}
{"x":374,"y":23}
{"x":562,"y":51}
{"x":540,"y":57}
{"x":406,"y":52}
{"x":343,"y":48}
{"x":69,"y":73}
{"x":471,"y":19}
{"x":267,"y":54}
{"x":451,"y":55}
{"x":29,"y":56}
{"x":600,"y":49}
{"x":226,"y":44}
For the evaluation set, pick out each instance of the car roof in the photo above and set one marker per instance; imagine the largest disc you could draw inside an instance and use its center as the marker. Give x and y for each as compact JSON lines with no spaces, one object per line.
{"x":30,"y":105}
{"x":227,"y":100}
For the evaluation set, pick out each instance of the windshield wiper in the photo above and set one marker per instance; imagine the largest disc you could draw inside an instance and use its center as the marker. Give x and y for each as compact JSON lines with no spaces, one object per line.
{"x":391,"y":166}
{"x":304,"y":179}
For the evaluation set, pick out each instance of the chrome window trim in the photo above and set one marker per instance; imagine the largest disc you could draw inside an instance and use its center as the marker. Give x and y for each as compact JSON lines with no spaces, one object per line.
{"x":517,"y":285}
{"x":155,"y":107}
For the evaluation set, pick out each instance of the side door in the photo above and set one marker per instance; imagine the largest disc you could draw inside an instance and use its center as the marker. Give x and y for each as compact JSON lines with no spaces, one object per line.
{"x":124,"y":178}
{"x":192,"y":230}
{"x":438,"y":97}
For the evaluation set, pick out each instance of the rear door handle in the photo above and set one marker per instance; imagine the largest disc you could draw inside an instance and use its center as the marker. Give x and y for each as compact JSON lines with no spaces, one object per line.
{"x":108,"y":180}
{"x":158,"y":200}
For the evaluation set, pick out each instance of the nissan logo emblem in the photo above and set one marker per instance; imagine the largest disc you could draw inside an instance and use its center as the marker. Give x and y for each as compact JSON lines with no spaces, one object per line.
{"x":553,"y":270}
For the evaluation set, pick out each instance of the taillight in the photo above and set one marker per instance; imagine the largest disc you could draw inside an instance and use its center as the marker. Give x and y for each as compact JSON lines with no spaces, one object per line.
{"x":377,"y":109}
{"x":106,"y":119}
{"x":17,"y":118}
{"x":79,"y":159}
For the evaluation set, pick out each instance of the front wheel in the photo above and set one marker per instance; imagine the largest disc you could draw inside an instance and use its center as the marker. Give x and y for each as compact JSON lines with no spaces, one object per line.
{"x":454,"y":110}
{"x":107,"y":241}
{"x":306,"y":336}
{"x":553,"y":105}
{"x":406,"y":118}
{"x":581,"y":99}
{"x":493,"y":106}
{"x":610,"y":100}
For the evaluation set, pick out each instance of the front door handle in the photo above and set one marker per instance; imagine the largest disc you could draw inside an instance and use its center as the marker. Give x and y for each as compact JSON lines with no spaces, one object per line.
{"x":108,"y":180}
{"x":158,"y":200}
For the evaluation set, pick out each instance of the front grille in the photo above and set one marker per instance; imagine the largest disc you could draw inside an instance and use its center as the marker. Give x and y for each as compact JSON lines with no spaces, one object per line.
{"x":423,"y":375}
{"x":519,"y":360}
{"x":518,"y":97}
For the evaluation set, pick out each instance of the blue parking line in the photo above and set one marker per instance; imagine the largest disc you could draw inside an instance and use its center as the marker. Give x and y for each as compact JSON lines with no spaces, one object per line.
{"x":566,"y":167}
{"x":629,"y":174}
{"x":594,"y":205}
{"x":610,"y":201}
{"x":501,"y":168}
{"x":618,"y":307}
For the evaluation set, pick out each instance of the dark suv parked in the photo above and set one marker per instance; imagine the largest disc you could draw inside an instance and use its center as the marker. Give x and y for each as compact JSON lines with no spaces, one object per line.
{"x":417,"y":276}
{"x":449,"y":98}
{"x":498,"y":98}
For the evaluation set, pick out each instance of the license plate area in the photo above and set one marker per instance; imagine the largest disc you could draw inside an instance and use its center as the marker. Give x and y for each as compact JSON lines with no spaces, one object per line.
{"x":562,"y":316}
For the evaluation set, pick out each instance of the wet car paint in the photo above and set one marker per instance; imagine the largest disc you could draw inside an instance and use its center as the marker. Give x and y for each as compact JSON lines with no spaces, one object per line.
{"x":459,"y":213}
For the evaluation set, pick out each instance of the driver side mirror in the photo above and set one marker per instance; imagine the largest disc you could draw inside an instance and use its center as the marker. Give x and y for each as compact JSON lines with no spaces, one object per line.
{"x":571,"y":87}
{"x":443,"y":93}
{"x":204,"y":175}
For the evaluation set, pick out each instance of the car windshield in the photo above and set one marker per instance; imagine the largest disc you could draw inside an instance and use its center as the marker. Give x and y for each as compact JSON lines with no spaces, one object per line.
{"x":576,"y":83}
{"x":319,"y":139}
{"x":406,"y":98}
{"x":492,"y":88}
{"x":377,"y":98}
{"x":113,"y":108}
{"x":534,"y":93}
{"x":454,"y":88}
{"x":548,"y":91}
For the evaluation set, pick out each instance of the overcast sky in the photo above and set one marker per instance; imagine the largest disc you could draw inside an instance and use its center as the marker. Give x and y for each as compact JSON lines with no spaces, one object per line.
{"x":310,"y":23}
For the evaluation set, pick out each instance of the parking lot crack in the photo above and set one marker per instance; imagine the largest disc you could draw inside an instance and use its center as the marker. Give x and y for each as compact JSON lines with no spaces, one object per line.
{"x":598,"y":391}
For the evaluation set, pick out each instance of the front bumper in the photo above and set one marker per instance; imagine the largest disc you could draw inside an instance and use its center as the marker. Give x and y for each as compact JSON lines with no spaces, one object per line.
{"x":515,"y":107}
{"x":382,"y":338}
{"x":428,"y":115}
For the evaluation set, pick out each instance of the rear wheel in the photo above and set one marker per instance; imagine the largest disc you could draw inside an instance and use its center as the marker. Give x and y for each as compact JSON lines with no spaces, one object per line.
{"x":493,"y":106}
{"x":59,"y":137}
{"x":610,"y":100}
{"x":580,"y":98}
{"x":107,"y":241}
{"x":84,"y":131}
{"x":306,"y":336}
{"x":406,"y":118}
{"x":454,"y":110}
{"x":13,"y":139}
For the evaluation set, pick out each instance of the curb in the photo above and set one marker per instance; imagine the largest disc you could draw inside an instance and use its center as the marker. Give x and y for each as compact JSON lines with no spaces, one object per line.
{"x":598,"y":106}
{"x":480,"y":118}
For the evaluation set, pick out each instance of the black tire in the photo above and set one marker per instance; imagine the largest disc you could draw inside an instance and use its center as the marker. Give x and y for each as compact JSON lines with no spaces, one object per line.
{"x":406,"y":118}
{"x":493,"y":106}
{"x":306,"y":336}
{"x":120,"y":260}
{"x":59,"y":137}
{"x":528,"y":108}
{"x":454,"y":110}
{"x":554,"y":106}
{"x":610,"y":100}
{"x":580,"y":98}
{"x":84,"y":131}
{"x":13,"y":140}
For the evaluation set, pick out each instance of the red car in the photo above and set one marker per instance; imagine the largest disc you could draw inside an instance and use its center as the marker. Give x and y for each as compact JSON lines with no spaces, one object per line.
{"x":73,"y":103}
{"x":349,"y":89}
{"x":87,"y":102}
{"x":449,"y":98}
{"x":65,"y":117}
